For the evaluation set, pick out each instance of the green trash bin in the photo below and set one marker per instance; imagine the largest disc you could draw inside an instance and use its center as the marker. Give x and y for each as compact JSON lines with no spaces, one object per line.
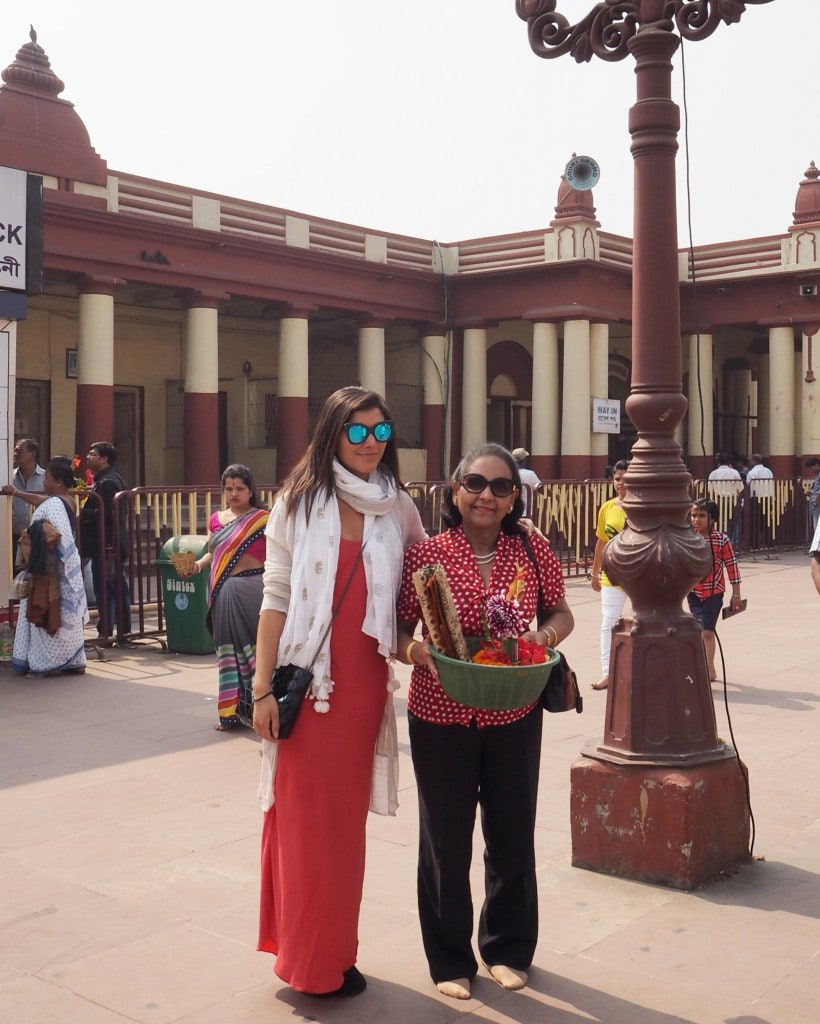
{"x":185,"y":601}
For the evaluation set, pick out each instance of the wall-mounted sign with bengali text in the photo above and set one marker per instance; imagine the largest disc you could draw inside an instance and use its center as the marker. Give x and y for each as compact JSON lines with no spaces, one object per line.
{"x":606,"y":416}
{"x":12,"y":229}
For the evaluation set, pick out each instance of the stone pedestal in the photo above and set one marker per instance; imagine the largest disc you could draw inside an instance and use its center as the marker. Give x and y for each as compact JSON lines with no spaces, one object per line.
{"x":665,"y":825}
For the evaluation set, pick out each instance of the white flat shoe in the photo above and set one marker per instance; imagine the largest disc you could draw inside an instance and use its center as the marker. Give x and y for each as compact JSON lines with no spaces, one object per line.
{"x":507,"y":977}
{"x":458,"y":988}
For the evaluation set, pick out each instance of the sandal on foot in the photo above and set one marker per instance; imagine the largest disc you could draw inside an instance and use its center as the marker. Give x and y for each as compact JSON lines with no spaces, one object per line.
{"x":457,"y":988}
{"x":602,"y":684}
{"x":507,"y":977}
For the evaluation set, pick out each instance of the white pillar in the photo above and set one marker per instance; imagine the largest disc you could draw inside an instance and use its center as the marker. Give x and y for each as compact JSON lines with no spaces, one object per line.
{"x":371,"y":358}
{"x":436,"y":425}
{"x":474,"y":392}
{"x":576,"y":407}
{"x":810,"y":403}
{"x":95,"y":363}
{"x":599,"y":380}
{"x":435,"y":374}
{"x":95,"y":339}
{"x":764,"y":434}
{"x":202,"y":351}
{"x":781,"y":390}
{"x":701,"y":441}
{"x":293,"y":357}
{"x":546,"y":403}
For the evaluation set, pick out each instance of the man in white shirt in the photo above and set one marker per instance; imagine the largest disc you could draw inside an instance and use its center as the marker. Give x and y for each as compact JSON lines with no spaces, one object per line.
{"x":28,"y":476}
{"x":724,"y":486}
{"x":760,"y":480}
{"x":757,"y":475}
{"x":528,"y":478}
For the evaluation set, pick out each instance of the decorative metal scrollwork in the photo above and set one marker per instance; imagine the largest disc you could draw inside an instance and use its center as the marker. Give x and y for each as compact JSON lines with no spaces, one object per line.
{"x":607,"y":29}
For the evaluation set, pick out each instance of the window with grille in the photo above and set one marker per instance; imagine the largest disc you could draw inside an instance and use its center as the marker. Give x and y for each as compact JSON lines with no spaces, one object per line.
{"x":405,"y":402}
{"x":261,"y":407}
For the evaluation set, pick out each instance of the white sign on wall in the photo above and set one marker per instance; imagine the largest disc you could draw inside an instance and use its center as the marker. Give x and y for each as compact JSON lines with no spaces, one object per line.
{"x":12,"y":229}
{"x":606,"y":416}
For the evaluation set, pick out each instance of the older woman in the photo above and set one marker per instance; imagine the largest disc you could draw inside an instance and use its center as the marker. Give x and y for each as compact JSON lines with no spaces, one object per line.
{"x":336,"y":541}
{"x":464,"y":757}
{"x":49,"y":636}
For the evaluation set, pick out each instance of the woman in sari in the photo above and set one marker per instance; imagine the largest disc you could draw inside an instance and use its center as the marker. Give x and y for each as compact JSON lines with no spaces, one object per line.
{"x":236,"y":556}
{"x":49,"y":635}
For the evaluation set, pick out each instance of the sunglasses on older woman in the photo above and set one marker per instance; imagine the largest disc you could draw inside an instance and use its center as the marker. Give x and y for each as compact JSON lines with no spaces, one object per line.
{"x":474,"y":483}
{"x":357,"y":433}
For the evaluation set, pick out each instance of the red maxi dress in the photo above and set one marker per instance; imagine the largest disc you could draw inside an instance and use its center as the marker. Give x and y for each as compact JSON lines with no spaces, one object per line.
{"x":313,"y":837}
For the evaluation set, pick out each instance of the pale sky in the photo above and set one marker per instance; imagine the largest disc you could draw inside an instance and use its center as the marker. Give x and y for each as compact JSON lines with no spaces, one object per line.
{"x":431,"y":118}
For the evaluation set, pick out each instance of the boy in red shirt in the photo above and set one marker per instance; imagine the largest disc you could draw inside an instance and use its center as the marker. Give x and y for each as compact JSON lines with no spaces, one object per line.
{"x":706,"y":597}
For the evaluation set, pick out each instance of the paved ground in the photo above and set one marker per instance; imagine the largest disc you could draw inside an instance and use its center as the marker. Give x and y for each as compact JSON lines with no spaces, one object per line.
{"x":129,"y":833}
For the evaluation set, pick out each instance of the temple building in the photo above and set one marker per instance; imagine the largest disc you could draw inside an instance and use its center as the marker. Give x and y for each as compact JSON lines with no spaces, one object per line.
{"x":196,"y":329}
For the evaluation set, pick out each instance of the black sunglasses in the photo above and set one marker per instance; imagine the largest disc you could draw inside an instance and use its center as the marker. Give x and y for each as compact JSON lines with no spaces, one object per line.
{"x":475,"y":483}
{"x":357,"y":432}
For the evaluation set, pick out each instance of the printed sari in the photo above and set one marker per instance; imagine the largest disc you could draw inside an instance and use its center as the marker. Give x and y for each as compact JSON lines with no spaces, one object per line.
{"x":49,"y":643}
{"x":235,"y":601}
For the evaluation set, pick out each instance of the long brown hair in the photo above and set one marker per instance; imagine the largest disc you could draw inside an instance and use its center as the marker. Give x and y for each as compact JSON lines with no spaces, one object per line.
{"x":314,"y":471}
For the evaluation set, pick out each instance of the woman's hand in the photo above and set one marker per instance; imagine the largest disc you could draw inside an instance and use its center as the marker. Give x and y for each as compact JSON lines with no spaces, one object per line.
{"x":266,"y":717}
{"x":529,"y":528}
{"x":421,"y":656}
{"x":596,"y":580}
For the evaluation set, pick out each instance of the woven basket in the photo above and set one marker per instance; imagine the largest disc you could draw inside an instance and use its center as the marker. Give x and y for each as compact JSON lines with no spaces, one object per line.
{"x":492,"y":687}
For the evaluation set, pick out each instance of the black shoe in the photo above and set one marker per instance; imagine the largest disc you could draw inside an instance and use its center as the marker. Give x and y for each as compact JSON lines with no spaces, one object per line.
{"x":354,"y":984}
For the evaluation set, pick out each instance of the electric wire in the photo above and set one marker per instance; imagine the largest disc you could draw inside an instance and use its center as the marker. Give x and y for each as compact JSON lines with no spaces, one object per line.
{"x":696,"y":318}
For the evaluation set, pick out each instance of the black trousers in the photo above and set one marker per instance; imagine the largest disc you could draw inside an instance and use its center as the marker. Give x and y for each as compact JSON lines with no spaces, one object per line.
{"x":457,"y":770}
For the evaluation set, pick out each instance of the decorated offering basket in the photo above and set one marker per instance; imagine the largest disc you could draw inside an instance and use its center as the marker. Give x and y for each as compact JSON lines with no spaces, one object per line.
{"x":492,"y":687}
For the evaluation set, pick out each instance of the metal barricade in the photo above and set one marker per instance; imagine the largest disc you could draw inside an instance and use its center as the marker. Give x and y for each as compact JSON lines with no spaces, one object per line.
{"x":565,"y":511}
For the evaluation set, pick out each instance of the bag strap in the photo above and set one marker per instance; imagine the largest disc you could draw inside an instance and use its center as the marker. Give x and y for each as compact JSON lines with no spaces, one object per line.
{"x":338,"y":606}
{"x":541,"y":610}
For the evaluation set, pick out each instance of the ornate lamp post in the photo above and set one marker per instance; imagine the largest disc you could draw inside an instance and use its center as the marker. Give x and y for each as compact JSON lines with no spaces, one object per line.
{"x":660,"y":798}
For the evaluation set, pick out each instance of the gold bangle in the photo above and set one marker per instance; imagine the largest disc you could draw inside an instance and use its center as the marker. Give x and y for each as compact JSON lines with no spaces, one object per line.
{"x":408,"y":653}
{"x":554,"y":631}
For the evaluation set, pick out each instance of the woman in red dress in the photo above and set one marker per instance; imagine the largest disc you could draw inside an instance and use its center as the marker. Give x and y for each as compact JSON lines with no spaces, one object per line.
{"x":343,"y":499}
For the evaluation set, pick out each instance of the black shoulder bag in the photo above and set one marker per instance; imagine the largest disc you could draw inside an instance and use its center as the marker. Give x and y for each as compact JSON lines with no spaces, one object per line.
{"x":561,"y":692}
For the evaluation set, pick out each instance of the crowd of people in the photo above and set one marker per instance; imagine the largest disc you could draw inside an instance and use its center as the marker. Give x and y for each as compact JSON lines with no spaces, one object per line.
{"x":326,"y":581}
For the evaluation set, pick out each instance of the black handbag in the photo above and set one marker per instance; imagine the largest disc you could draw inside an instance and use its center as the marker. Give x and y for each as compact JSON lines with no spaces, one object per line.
{"x":289,"y":684}
{"x":561,"y":692}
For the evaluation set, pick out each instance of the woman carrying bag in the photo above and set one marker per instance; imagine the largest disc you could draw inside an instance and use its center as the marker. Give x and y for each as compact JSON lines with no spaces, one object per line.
{"x":464,"y":757}
{"x":335,"y":545}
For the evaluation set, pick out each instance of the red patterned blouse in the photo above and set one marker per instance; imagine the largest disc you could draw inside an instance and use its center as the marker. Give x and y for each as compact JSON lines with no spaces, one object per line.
{"x":452,"y":550}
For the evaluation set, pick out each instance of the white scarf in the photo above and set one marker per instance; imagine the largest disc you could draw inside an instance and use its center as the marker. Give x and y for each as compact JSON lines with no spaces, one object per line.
{"x":313,"y":575}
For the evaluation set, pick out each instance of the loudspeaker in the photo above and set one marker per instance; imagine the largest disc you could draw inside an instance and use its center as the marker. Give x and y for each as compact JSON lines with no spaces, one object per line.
{"x":582,"y":173}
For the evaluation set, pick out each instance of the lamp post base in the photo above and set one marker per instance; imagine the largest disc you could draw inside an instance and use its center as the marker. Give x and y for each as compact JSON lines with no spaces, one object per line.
{"x":680,"y":826}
